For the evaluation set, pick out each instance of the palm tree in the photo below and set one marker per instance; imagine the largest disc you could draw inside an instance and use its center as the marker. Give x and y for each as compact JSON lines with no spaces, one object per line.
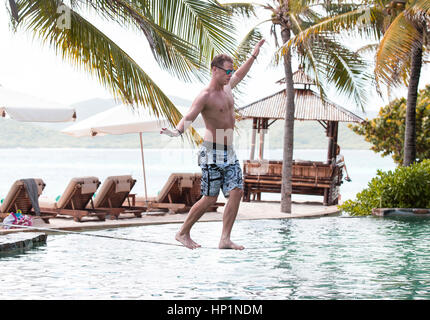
{"x":323,"y":56}
{"x":400,"y":57}
{"x":183,"y":36}
{"x":400,"y":30}
{"x":282,"y":18}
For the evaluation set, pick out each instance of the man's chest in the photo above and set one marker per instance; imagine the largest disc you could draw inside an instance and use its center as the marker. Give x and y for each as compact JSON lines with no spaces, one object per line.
{"x":220,"y":103}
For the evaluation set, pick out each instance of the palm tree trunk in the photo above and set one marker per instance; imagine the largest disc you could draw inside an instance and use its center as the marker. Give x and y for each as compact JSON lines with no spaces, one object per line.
{"x":14,"y":10}
{"x":287,"y":166}
{"x":410,"y":147}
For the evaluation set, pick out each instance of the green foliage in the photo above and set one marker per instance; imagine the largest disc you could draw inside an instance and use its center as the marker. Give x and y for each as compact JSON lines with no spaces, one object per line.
{"x":405,"y":187}
{"x":183,"y":36}
{"x":387,"y":131}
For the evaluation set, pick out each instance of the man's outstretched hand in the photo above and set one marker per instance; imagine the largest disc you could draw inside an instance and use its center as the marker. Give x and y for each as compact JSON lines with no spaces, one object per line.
{"x":170,"y":133}
{"x":257,"y":47}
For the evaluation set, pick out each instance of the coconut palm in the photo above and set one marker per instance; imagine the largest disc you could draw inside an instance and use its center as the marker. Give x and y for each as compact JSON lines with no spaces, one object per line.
{"x":322,"y":54}
{"x":400,"y":30}
{"x":400,"y":57}
{"x":183,"y":36}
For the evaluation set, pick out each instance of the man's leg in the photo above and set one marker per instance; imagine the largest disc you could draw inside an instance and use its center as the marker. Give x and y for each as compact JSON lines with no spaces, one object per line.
{"x":195,"y":213}
{"x":230,"y":213}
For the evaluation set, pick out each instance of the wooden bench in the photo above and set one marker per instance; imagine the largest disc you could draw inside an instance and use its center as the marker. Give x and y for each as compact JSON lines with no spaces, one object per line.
{"x":309,"y":177}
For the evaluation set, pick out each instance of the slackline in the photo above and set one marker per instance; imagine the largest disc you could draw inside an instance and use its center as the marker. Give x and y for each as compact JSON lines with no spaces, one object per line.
{"x":116,"y":238}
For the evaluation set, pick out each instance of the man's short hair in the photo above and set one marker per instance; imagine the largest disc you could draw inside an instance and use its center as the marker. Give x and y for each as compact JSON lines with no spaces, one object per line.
{"x":219,"y":60}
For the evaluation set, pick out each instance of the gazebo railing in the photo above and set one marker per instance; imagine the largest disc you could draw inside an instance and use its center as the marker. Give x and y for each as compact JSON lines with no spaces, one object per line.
{"x":309,"y":177}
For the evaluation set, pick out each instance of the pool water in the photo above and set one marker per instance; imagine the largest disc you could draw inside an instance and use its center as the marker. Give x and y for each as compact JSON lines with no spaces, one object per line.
{"x":337,"y":257}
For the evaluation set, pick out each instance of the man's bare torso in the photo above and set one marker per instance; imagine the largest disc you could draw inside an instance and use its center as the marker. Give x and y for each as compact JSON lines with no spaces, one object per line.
{"x":218,"y":115}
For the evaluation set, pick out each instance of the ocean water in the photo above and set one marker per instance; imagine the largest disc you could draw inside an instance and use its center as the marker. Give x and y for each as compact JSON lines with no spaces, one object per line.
{"x":57,"y":166}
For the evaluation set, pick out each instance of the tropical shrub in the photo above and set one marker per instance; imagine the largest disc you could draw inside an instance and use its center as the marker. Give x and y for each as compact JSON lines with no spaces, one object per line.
{"x":387,"y":131}
{"x":405,"y":187}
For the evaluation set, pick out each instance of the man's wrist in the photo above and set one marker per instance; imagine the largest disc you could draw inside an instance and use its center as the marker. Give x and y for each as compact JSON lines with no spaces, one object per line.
{"x":178,"y":131}
{"x":254,"y":56}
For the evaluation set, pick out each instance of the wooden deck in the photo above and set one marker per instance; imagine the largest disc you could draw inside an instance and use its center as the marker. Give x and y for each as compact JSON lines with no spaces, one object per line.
{"x":309,"y":177}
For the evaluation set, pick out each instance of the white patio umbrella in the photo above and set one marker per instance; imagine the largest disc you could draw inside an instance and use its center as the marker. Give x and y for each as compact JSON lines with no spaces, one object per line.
{"x":123,"y":119}
{"x":23,"y":107}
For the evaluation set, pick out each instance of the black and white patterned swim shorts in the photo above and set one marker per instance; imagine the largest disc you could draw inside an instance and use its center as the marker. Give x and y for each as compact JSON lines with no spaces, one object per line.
{"x":220,"y":170}
{"x":218,"y":177}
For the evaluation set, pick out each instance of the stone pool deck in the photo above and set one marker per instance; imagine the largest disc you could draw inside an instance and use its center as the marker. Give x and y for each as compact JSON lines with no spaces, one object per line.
{"x":401,"y":212}
{"x":18,"y":242}
{"x":247,"y":211}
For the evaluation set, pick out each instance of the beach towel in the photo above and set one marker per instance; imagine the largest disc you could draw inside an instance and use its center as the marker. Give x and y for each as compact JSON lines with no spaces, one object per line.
{"x":33,"y":194}
{"x":17,"y":219}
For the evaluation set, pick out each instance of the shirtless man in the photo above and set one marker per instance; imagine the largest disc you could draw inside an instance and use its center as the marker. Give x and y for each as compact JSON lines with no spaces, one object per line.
{"x":217,"y":159}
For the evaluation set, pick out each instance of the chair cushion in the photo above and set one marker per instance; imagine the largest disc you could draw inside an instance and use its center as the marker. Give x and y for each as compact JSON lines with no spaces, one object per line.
{"x":114,"y":191}
{"x":80,"y":190}
{"x":17,"y":197}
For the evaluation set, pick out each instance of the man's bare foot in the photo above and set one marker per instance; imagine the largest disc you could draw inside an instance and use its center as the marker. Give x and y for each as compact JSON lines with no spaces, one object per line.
{"x":186,"y":240}
{"x":228,"y":244}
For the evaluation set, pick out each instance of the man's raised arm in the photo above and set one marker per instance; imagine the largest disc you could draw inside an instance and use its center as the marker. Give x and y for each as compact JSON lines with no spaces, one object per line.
{"x":243,"y":70}
{"x":191,"y":115}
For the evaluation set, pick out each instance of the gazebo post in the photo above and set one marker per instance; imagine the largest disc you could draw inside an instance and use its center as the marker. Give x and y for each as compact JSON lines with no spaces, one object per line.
{"x":253,"y":137}
{"x":329,"y":134}
{"x":262,"y":131}
{"x":332,"y":130}
{"x":336,"y":130}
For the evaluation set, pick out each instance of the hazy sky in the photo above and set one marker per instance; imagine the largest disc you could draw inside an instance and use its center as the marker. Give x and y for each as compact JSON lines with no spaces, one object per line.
{"x":27,"y":66}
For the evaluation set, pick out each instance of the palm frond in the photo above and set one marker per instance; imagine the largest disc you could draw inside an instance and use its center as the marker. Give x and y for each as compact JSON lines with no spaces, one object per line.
{"x":308,"y":17}
{"x":248,"y":44}
{"x":364,"y":22}
{"x":174,"y":51}
{"x":333,"y":8}
{"x":368,"y":48}
{"x":87,"y":47}
{"x":204,"y":24}
{"x":307,"y":50}
{"x":393,"y":56}
{"x":244,"y":51}
{"x":419,"y":12}
{"x":344,"y":69}
{"x":241,"y":9}
{"x":332,"y":63}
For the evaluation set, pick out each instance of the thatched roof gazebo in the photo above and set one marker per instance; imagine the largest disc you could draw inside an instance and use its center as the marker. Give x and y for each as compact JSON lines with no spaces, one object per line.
{"x":309,"y":177}
{"x":308,"y":106}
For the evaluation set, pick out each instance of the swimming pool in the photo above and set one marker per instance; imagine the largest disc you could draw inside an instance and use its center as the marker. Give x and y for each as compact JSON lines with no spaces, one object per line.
{"x":323,"y":258}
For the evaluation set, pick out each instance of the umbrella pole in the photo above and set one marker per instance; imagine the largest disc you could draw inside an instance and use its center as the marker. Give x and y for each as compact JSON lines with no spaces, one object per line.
{"x":143,"y":166}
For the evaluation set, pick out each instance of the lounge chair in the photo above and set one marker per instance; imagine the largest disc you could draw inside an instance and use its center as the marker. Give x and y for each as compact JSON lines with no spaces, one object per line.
{"x":178,"y":195}
{"x":24,"y":195}
{"x":74,"y":200}
{"x":114,"y":197}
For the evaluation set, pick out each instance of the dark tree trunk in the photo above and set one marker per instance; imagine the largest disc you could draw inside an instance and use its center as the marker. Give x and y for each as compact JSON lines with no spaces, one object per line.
{"x":410,"y":147}
{"x":287,"y":166}
{"x":14,"y":10}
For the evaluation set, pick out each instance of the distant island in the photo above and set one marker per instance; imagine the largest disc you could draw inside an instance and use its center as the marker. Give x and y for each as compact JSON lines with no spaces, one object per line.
{"x":14,"y":134}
